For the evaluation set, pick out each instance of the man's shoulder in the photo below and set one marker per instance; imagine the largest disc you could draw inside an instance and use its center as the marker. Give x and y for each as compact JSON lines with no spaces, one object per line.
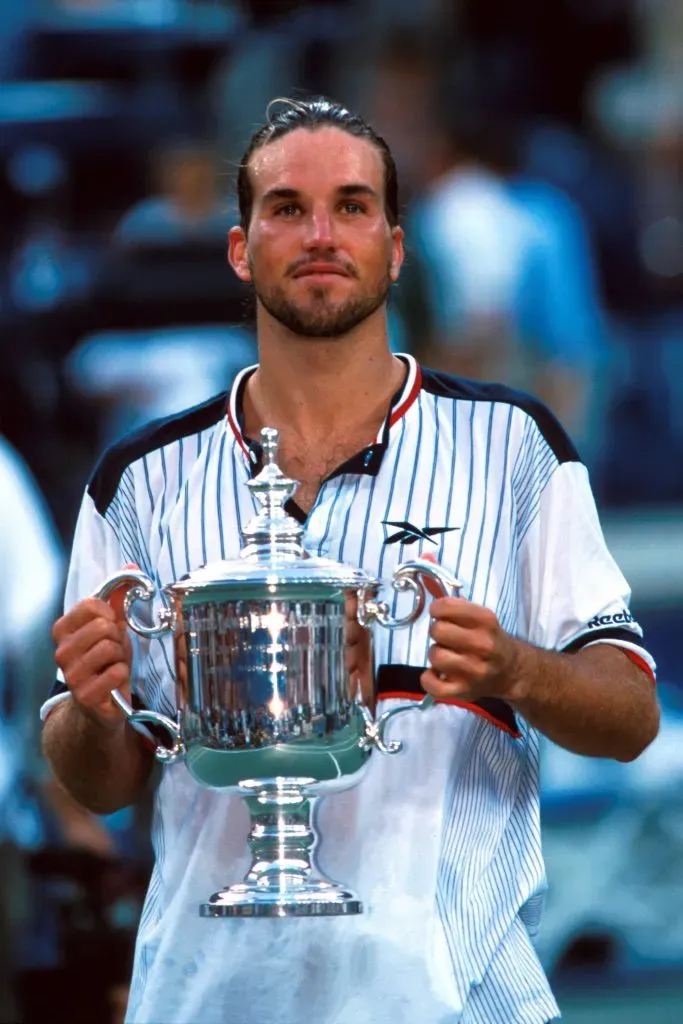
{"x":146,"y":440}
{"x":447,"y":386}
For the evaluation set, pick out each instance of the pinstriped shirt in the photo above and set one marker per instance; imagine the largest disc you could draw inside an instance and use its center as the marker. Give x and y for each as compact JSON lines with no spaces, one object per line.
{"x":442,"y":843}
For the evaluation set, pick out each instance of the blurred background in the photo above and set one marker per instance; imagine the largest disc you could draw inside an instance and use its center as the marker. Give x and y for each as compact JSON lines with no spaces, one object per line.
{"x":540,"y":149}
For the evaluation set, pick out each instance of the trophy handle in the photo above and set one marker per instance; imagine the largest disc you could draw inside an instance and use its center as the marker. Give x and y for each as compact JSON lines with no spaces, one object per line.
{"x":141,"y":588}
{"x":375,"y":730}
{"x":165,"y":755}
{"x":409,"y":576}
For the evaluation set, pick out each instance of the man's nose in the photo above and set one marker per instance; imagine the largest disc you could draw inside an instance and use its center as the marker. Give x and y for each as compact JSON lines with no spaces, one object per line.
{"x":320,"y":230}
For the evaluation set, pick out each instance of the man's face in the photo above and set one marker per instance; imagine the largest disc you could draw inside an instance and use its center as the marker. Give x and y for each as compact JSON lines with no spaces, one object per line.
{"x":320,"y":253}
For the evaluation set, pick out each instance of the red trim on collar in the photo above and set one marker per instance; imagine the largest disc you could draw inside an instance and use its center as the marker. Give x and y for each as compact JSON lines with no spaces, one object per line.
{"x":402,"y":409}
{"x":236,"y":432}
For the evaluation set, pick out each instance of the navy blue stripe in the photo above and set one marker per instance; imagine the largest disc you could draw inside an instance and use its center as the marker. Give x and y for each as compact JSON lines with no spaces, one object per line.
{"x":364,"y":535}
{"x":219,"y":494}
{"x":203,"y":502}
{"x":330,"y":514}
{"x":406,"y":517}
{"x":186,"y":533}
{"x":148,"y":484}
{"x":235,"y":487}
{"x":503,"y":490}
{"x":484,"y":511}
{"x":180,"y":469}
{"x":394,"y":477}
{"x":163,"y":496}
{"x":347,"y":517}
{"x":470,"y":485}
{"x":169,"y":542}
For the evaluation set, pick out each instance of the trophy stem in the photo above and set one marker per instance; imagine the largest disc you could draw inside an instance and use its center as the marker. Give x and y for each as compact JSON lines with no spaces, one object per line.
{"x":283,"y":880}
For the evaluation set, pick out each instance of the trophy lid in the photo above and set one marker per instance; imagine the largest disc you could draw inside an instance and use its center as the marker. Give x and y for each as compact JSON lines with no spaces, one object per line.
{"x":272,"y":558}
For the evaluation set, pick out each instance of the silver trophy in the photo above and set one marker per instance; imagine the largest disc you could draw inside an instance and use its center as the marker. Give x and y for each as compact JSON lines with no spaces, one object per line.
{"x":266,"y":705}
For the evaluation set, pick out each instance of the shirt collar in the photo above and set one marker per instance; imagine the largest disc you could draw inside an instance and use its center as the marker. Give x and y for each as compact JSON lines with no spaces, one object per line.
{"x":365,"y":462}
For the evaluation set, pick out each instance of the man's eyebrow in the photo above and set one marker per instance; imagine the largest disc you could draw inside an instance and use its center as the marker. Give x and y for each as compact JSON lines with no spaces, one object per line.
{"x":357,"y":189}
{"x":280,"y":193}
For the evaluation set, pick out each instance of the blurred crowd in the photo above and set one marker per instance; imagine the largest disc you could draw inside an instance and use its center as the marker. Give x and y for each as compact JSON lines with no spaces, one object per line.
{"x":540,"y":153}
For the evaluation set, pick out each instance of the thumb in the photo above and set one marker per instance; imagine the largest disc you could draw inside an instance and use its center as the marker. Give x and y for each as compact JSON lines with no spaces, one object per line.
{"x":115,"y":599}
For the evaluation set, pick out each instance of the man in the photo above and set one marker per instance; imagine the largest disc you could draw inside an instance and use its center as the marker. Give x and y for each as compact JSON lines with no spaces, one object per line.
{"x":444,"y":846}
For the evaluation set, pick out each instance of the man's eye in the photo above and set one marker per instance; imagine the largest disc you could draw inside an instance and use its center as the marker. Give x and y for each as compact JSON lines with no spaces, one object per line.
{"x":288,"y":210}
{"x":351,"y":206}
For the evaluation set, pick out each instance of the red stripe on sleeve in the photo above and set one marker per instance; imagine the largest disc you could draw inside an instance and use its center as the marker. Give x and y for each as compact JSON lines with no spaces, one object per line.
{"x":640,"y":662}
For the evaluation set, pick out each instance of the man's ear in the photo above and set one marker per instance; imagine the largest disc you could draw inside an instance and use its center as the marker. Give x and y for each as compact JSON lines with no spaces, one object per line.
{"x":396,"y":254}
{"x":238,"y":257}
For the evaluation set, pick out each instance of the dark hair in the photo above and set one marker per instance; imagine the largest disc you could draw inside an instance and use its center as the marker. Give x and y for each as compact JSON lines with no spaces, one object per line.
{"x":313,"y":113}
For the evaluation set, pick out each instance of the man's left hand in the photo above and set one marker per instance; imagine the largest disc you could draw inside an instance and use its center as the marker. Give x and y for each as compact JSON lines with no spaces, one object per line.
{"x":472,"y":655}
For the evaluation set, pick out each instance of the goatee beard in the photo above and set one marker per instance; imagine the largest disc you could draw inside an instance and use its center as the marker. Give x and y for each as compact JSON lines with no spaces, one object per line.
{"x":321,"y":319}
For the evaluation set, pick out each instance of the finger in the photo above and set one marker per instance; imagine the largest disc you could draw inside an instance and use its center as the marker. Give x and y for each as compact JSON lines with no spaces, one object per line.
{"x":442,"y":689}
{"x":85,"y":611}
{"x":74,"y":646}
{"x":462,"y":612}
{"x":457,"y":667}
{"x":96,"y":700}
{"x":462,"y":639}
{"x":94,"y":661}
{"x":355,"y":633}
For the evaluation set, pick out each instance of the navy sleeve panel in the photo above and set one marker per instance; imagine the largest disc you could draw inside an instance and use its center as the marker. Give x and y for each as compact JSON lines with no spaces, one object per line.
{"x":116,"y":459}
{"x":447,"y":386}
{"x":627,"y":635}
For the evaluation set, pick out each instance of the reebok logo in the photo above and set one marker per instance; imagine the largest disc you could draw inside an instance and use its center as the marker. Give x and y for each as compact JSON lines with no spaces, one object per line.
{"x":618,"y":619}
{"x":408,"y":534}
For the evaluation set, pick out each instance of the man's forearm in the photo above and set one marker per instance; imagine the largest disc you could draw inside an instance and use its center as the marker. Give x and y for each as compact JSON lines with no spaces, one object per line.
{"x":103,"y":769}
{"x":595,"y":702}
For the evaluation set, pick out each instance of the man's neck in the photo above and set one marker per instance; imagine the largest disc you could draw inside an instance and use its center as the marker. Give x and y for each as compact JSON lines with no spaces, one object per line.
{"x":316,"y":387}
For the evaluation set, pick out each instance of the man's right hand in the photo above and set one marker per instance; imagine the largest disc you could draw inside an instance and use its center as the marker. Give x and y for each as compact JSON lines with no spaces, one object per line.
{"x":94,"y":653}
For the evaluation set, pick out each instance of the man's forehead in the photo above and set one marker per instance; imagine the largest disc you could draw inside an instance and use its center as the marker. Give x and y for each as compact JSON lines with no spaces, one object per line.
{"x":306,"y":159}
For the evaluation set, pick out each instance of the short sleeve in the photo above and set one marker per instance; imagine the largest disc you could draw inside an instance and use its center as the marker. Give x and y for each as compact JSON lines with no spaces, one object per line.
{"x":573,"y":592}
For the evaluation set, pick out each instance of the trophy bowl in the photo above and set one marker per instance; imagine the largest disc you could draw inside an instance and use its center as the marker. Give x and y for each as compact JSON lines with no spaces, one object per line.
{"x":266,"y":704}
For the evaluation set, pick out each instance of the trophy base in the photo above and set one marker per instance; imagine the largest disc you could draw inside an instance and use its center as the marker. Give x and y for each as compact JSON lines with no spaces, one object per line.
{"x":284,"y":880}
{"x":310,"y":898}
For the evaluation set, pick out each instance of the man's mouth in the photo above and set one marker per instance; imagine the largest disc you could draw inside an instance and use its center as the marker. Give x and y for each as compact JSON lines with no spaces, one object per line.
{"x":319,"y":269}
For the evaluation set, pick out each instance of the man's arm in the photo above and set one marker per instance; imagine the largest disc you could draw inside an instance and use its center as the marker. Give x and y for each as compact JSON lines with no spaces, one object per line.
{"x":96,"y":756}
{"x":595,"y":701}
{"x":103,"y":768}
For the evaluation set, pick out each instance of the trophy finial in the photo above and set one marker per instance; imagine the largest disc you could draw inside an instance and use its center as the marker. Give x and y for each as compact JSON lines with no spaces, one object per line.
{"x":270,"y":442}
{"x":273,"y":533}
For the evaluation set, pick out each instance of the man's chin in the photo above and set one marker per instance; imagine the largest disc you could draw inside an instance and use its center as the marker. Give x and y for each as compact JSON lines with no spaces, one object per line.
{"x":319,"y":318}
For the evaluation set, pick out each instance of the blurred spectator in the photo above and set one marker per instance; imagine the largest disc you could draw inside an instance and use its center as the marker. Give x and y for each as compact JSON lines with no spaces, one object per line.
{"x":32,"y":566}
{"x":189,"y":207}
{"x":137,"y":376}
{"x":291,"y":49}
{"x":510,"y":273}
{"x":638,"y":108}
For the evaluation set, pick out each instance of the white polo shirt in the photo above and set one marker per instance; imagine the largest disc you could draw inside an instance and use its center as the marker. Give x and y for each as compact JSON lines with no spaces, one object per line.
{"x":442,"y":842}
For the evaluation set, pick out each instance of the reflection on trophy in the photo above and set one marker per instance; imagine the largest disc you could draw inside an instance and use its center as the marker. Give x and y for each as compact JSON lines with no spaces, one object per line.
{"x":265,"y":701}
